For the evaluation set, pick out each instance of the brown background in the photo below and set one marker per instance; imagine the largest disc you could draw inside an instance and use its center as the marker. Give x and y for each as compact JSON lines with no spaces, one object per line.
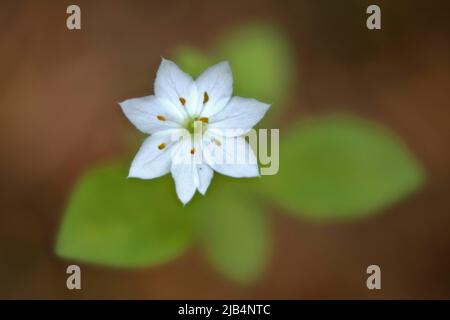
{"x":58,"y":115}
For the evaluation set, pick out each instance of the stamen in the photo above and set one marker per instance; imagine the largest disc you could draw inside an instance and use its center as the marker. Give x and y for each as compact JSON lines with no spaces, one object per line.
{"x":216,"y":142}
{"x":192,"y":150}
{"x":161,"y":118}
{"x":161,"y":146}
{"x":205,"y":97}
{"x":204,"y":120}
{"x":183,"y":101}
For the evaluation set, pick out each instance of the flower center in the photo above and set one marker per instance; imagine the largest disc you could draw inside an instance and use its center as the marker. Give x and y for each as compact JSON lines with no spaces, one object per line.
{"x":196,"y":125}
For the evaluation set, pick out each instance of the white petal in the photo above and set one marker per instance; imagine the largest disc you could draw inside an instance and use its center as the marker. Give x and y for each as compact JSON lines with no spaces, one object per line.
{"x":217,"y":82}
{"x":205,"y":175}
{"x":177,"y":86}
{"x":184,"y":172}
{"x":154,"y":158}
{"x":151,"y":114}
{"x":239,"y":113}
{"x":232,"y":157}
{"x":204,"y":172}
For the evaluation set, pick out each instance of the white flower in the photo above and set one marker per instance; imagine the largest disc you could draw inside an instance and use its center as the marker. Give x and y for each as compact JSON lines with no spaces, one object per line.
{"x":195,"y":128}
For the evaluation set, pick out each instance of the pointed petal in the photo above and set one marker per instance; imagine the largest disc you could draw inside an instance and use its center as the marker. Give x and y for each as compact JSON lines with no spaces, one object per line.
{"x":231,"y":157}
{"x":177,"y":86}
{"x":217,"y":83}
{"x":184,"y":172}
{"x":151,"y":114}
{"x":204,"y":172}
{"x":154,"y":158}
{"x":239,"y":113}
{"x":205,"y":175}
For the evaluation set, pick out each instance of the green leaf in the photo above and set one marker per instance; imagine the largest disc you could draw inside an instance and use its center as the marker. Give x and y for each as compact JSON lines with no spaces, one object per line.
{"x":192,"y":61}
{"x":342,"y":167}
{"x":262,"y":63}
{"x":124,"y":222}
{"x":261,"y":59}
{"x":235,"y":232}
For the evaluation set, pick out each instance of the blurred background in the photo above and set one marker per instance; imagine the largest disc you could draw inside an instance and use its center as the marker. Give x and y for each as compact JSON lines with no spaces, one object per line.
{"x":58,"y":116}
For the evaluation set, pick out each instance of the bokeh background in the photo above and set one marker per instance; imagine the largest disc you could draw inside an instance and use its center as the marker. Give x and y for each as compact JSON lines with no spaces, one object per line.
{"x":58,"y":116}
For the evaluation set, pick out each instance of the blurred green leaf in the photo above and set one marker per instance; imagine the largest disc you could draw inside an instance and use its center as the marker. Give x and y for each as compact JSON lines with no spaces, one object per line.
{"x":192,"y":61}
{"x":342,"y":167}
{"x":124,"y":222}
{"x":236,"y":237}
{"x":261,"y":60}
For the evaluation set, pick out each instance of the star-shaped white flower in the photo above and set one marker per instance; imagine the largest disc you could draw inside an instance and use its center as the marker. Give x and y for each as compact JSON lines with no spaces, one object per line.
{"x":195,"y":128}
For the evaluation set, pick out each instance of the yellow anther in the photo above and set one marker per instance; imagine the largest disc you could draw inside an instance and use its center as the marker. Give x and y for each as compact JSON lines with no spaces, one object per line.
{"x":192,"y":150}
{"x":161,"y":146}
{"x":161,"y":118}
{"x":205,"y":97}
{"x":204,"y":120}
{"x":183,"y":101}
{"x":216,"y":142}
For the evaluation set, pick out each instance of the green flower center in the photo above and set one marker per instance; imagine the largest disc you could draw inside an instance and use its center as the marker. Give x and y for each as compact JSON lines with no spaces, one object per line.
{"x":196,"y":125}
